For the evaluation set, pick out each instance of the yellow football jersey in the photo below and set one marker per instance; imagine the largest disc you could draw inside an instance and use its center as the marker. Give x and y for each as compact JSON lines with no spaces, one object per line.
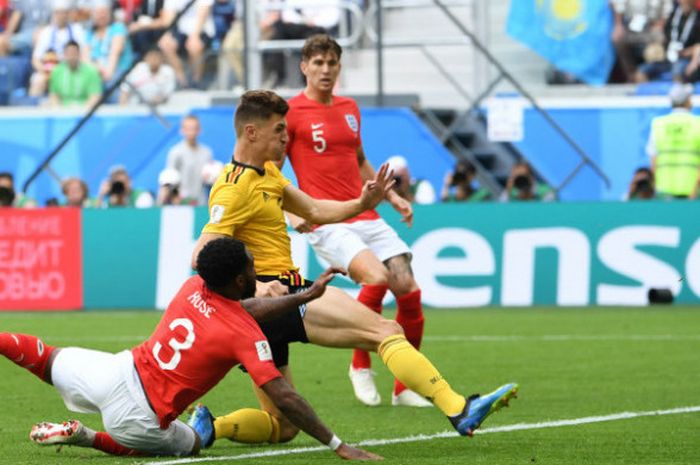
{"x":246,"y":203}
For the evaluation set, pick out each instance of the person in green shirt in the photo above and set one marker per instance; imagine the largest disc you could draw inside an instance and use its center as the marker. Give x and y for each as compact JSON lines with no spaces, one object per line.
{"x":522,"y":185}
{"x":73,"y":82}
{"x":459,"y":185}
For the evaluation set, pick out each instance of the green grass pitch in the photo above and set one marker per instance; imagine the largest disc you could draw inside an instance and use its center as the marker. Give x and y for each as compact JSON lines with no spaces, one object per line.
{"x":570,"y":363}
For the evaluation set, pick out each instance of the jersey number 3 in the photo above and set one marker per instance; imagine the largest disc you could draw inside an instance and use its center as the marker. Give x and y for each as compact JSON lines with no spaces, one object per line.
{"x":319,"y":141}
{"x":176,"y":345}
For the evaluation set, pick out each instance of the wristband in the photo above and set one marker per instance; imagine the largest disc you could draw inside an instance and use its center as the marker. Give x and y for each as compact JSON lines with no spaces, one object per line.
{"x":334,"y":443}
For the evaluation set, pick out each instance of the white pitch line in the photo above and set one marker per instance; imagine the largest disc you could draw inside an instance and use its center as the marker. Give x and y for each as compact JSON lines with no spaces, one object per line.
{"x":442,"y":435}
{"x":563,"y":337}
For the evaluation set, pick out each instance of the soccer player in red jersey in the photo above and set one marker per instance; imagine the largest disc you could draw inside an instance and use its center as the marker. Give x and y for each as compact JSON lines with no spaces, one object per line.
{"x":204,"y":332}
{"x":325,"y":149}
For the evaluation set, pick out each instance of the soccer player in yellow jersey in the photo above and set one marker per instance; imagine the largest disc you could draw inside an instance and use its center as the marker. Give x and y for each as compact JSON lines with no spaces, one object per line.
{"x":246,"y":202}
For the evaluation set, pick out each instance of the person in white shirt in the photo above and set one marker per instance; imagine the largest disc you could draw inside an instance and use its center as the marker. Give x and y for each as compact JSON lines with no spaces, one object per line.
{"x":189,"y":157}
{"x":151,"y":81}
{"x":52,"y":39}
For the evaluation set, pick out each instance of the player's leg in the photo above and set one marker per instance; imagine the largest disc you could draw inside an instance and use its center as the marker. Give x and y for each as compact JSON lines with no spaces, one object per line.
{"x":256,"y":426}
{"x":340,"y":245}
{"x":336,"y":320}
{"x":395,"y":254}
{"x":409,"y":315}
{"x":29,"y":352}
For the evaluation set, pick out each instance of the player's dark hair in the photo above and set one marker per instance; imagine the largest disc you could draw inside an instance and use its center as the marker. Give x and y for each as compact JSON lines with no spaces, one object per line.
{"x":7,"y":175}
{"x":320,"y":44}
{"x":221,"y":260}
{"x":256,"y":105}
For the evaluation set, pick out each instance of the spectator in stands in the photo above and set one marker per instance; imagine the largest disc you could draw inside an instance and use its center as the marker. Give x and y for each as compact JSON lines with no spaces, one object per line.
{"x":295,"y":21}
{"x":414,"y":190}
{"x":522,"y":185}
{"x":642,"y":185}
{"x":4,"y":14}
{"x":188,"y":158}
{"x":76,"y":193}
{"x":459,"y":185}
{"x":151,"y":81}
{"x":674,"y":147}
{"x":145,"y":26}
{"x":682,"y":41}
{"x":638,"y":24}
{"x":50,"y":44}
{"x":169,"y":189}
{"x":108,"y":46}
{"x":193,"y":34}
{"x":74,"y":82}
{"x":8,"y":196}
{"x":26,"y":18}
{"x":117,"y":191}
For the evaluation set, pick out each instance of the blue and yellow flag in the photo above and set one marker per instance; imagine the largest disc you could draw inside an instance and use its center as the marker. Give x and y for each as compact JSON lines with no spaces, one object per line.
{"x":573,"y":35}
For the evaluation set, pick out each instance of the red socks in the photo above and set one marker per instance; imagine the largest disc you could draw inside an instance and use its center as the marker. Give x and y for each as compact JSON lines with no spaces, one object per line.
{"x":371,"y":295}
{"x":27,"y":351}
{"x":104,"y":442}
{"x":410,"y":317}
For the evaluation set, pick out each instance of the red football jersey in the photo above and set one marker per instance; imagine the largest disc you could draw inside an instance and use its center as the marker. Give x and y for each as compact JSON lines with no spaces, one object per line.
{"x":322,"y":147}
{"x":200,"y":337}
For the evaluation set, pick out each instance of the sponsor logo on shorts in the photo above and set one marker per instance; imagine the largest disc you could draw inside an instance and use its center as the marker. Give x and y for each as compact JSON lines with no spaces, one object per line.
{"x":217,"y":212}
{"x":264,"y":352}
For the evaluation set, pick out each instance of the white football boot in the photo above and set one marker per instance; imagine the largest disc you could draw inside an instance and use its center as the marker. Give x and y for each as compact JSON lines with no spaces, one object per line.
{"x":70,"y":432}
{"x":408,"y":398}
{"x":363,"y":384}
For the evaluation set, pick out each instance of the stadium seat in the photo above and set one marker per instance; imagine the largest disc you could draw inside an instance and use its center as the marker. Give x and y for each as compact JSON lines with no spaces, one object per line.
{"x":14,"y":74}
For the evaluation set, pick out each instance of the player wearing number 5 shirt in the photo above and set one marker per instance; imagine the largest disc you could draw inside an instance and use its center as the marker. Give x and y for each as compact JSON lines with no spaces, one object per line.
{"x":325,"y":149}
{"x":204,"y":332}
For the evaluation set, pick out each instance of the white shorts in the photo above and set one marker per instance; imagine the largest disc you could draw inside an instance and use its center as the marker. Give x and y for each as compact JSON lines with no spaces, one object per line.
{"x":98,"y":382}
{"x":339,"y":243}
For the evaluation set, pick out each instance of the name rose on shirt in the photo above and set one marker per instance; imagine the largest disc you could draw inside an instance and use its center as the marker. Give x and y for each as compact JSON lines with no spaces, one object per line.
{"x":198,"y":303}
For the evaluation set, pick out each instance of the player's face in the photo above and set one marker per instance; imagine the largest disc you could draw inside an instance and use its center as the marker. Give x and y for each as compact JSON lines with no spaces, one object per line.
{"x":321,"y":71}
{"x":272,"y":136}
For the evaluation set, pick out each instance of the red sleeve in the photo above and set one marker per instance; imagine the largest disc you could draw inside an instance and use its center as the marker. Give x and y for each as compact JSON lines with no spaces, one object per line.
{"x":255,"y":355}
{"x":291,"y":127}
{"x":356,"y":110}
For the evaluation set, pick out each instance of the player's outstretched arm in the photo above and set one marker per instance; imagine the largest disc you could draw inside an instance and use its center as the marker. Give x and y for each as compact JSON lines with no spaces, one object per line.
{"x":300,"y":413}
{"x":268,"y":308}
{"x":319,"y":211}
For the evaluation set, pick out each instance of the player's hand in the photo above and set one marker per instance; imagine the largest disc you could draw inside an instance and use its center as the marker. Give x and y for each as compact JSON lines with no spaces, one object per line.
{"x":299,"y":224}
{"x":271,"y":289}
{"x":347,"y":452}
{"x":375,"y":190}
{"x":402,"y":206}
{"x":319,"y":286}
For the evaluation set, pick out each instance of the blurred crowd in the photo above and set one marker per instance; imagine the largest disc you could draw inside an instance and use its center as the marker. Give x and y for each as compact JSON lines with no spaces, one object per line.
{"x":65,"y":52}
{"x":655,"y":40}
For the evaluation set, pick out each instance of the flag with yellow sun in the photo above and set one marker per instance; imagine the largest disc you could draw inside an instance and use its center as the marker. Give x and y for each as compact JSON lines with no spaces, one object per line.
{"x":573,"y":35}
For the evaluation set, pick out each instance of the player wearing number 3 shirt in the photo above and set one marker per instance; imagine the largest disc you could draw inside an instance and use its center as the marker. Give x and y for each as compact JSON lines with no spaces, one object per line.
{"x":204,"y":332}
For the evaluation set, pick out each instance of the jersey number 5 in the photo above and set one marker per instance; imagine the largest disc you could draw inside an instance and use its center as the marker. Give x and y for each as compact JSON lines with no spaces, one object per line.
{"x":319,"y":141}
{"x":176,"y":345}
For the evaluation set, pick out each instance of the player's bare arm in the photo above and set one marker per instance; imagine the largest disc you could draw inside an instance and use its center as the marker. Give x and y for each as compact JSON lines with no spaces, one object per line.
{"x":320,"y":211}
{"x":399,"y":204}
{"x":300,"y":413}
{"x":271,"y":289}
{"x":265,"y":309}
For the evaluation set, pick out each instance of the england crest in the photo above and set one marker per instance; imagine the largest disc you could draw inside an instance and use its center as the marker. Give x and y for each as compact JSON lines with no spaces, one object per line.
{"x":352,"y":122}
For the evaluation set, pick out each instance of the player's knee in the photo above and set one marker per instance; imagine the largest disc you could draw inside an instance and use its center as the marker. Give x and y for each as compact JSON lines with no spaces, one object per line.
{"x":389,"y":328}
{"x":403,"y":285}
{"x":287,"y":431}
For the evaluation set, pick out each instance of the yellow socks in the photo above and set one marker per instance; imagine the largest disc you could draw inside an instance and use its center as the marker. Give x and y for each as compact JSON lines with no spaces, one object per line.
{"x":415,"y":371}
{"x":248,"y":425}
